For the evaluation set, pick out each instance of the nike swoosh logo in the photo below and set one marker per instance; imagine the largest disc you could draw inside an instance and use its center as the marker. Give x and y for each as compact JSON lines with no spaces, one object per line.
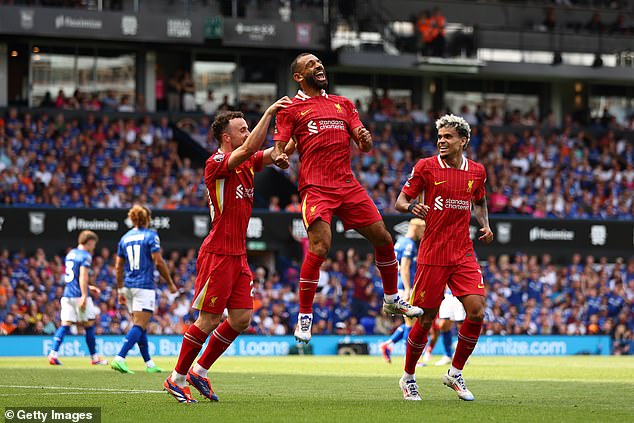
{"x":439,"y":182}
{"x":238,"y":171}
{"x":304,"y":112}
{"x":480,"y":286}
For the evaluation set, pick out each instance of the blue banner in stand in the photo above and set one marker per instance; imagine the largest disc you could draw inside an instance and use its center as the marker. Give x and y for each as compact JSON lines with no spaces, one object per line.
{"x":108,"y":346}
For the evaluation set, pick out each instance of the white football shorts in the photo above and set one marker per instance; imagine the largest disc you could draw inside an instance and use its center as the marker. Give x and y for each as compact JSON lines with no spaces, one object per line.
{"x":71,"y":312}
{"x":451,"y":308}
{"x":140,"y":299}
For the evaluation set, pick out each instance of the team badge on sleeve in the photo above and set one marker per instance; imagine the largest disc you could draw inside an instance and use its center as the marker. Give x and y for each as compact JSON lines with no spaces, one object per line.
{"x":409,"y":178}
{"x":219,"y":157}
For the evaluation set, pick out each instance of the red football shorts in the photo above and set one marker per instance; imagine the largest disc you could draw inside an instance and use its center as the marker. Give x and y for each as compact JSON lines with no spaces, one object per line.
{"x":350,"y":204}
{"x":429,"y":283}
{"x":222,"y":282}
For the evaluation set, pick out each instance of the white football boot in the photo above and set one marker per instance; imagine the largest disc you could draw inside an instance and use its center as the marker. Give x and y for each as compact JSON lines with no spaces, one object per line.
{"x":457,"y":384}
{"x":410,"y":390}
{"x":303,"y":329}
{"x":400,"y":306}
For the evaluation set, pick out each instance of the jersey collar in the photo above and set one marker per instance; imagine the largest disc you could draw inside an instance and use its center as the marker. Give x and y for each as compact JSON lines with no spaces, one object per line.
{"x":302,"y":95}
{"x":444,"y":165}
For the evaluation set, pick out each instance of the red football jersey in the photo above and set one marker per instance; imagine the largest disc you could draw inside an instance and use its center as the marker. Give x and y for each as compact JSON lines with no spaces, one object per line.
{"x":230,"y":202}
{"x":322,"y":128}
{"x":448,"y":192}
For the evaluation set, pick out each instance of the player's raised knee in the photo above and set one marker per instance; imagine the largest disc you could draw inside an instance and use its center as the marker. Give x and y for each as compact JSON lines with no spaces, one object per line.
{"x":476,"y":315}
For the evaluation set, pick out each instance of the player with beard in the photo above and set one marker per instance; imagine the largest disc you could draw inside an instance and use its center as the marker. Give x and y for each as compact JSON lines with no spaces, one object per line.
{"x":322,"y":125}
{"x":223,"y":277}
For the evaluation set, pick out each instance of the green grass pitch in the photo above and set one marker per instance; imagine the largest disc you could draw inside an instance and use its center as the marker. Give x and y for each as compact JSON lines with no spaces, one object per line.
{"x":336,"y":389}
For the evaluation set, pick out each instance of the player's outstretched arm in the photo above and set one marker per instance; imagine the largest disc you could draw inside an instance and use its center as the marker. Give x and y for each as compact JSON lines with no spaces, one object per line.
{"x":256,"y":137}
{"x":363,"y":138}
{"x":405,"y":204}
{"x":161,"y":266}
{"x":482,"y":216}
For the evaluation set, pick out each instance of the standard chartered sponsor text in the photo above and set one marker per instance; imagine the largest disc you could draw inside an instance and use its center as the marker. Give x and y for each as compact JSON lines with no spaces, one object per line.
{"x":331,"y":124}
{"x":450,"y":203}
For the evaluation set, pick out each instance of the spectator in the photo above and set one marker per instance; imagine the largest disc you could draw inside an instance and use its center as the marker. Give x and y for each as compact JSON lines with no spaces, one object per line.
{"x":470,"y":117}
{"x":424,"y":25}
{"x":8,"y":326}
{"x":294,"y":206}
{"x":47,"y":101}
{"x":274,"y":204}
{"x":60,"y":101}
{"x":125,"y":105}
{"x":110,"y":103}
{"x":174,"y":89}
{"x":595,"y":24}
{"x":188,"y":91}
{"x":93,"y":104}
{"x":210,"y":105}
{"x":618,"y":26}
{"x":438,"y":24}
{"x":550,"y":19}
{"x":225,"y":106}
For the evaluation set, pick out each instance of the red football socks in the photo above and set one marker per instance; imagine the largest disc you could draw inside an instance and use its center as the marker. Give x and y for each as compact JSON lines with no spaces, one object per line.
{"x":193,"y":341}
{"x":388,"y":267}
{"x":308,"y":279}
{"x":416,"y":342}
{"x":467,"y":340}
{"x":220,"y":340}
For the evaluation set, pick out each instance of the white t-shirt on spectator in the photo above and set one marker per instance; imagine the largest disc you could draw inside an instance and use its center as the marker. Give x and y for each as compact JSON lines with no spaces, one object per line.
{"x":147,"y":138}
{"x":45,"y":176}
{"x":209,"y":107}
{"x":130,"y":136}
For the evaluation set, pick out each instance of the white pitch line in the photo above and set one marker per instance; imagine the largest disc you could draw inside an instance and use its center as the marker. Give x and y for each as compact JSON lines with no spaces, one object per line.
{"x":71,"y":388}
{"x":81,"y":393}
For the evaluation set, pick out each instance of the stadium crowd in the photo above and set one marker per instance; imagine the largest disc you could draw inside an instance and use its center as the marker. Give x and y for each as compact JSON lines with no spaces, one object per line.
{"x":52,"y":161}
{"x":526,"y":295}
{"x":533,"y":167}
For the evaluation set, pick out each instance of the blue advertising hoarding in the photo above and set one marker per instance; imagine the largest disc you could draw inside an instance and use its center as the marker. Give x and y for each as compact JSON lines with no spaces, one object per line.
{"x":169,"y":345}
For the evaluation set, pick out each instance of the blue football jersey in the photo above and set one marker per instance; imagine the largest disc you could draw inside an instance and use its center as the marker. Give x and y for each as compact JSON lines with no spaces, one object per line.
{"x":406,"y":247}
{"x":136,"y":248}
{"x":73,"y":261}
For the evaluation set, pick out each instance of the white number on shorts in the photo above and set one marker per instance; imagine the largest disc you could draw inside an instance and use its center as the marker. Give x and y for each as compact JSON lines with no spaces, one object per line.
{"x":70,"y":273}
{"x":134,"y":256}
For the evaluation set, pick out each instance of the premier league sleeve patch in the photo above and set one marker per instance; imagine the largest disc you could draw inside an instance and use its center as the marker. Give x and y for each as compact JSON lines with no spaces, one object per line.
{"x":219,"y":157}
